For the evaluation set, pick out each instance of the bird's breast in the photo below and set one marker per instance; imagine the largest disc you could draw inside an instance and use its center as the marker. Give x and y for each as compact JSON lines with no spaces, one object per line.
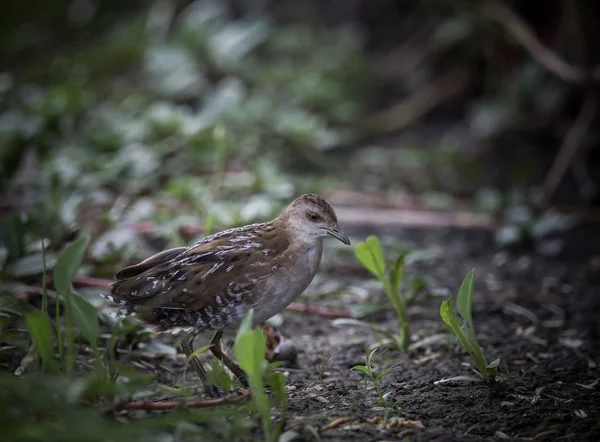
{"x":289,"y":279}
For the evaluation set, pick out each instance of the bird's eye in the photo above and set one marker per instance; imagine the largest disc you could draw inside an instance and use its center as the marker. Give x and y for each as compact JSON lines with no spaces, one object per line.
{"x":313,"y":216}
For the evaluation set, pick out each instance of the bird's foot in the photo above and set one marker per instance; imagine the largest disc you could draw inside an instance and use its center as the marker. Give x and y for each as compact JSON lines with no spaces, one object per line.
{"x":279,"y":348}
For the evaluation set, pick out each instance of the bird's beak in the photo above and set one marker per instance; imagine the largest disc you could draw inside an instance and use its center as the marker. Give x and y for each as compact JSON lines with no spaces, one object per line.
{"x":334,"y":230}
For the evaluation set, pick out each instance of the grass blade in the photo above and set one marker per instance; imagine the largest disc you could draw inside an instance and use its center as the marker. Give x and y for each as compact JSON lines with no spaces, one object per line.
{"x":464,"y":299}
{"x":464,"y":304}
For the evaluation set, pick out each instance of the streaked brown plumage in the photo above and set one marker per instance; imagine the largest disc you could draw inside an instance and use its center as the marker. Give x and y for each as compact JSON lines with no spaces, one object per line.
{"x":212,"y":284}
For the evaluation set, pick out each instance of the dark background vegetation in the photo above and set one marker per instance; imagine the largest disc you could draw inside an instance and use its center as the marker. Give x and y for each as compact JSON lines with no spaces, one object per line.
{"x":502,"y":82}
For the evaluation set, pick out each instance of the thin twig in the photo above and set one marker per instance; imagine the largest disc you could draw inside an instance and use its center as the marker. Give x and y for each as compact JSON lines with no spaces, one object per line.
{"x":89,"y":281}
{"x":334,"y":424}
{"x":420,"y":218}
{"x":519,"y":30}
{"x":571,"y":144}
{"x":173,"y":405}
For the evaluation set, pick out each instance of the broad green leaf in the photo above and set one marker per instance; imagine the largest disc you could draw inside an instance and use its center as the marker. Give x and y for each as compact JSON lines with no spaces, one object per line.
{"x":276,"y":380}
{"x":68,"y":262}
{"x":464,"y":299}
{"x":246,"y":325}
{"x":85,"y":317}
{"x":250,"y":351}
{"x":40,"y":329}
{"x":446,"y":312}
{"x":250,"y":348}
{"x":370,"y":255}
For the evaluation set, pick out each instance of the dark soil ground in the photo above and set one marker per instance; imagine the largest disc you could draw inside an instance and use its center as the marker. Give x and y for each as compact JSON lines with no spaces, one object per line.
{"x":538,"y":315}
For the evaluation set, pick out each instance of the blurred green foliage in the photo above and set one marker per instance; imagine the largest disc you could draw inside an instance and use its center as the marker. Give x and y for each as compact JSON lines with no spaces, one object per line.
{"x":88,"y":134}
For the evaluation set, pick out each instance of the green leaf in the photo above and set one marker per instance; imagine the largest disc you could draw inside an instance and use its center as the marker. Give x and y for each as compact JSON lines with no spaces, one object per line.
{"x":246,"y":325}
{"x":68,"y":262}
{"x":40,"y":329}
{"x":218,"y":376}
{"x":446,"y":312}
{"x":464,"y":300}
{"x":370,"y":255}
{"x":464,"y":306}
{"x":366,"y":370}
{"x":449,"y":317}
{"x":85,"y":317}
{"x":250,"y":351}
{"x":396,"y":273}
{"x":277,"y":382}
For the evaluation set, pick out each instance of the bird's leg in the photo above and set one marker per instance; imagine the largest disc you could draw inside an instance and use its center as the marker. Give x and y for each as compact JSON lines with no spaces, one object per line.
{"x":187,"y":345}
{"x":217,"y":350}
{"x":272,"y":340}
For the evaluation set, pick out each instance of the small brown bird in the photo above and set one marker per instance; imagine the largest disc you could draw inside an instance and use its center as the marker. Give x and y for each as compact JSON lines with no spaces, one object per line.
{"x":212,"y":284}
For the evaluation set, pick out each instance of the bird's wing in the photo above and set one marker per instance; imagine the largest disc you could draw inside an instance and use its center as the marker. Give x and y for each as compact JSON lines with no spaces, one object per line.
{"x":214,"y":271}
{"x":153,"y":261}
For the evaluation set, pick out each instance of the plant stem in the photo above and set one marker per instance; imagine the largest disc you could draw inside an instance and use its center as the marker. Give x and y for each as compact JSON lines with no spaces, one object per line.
{"x":400,"y":307}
